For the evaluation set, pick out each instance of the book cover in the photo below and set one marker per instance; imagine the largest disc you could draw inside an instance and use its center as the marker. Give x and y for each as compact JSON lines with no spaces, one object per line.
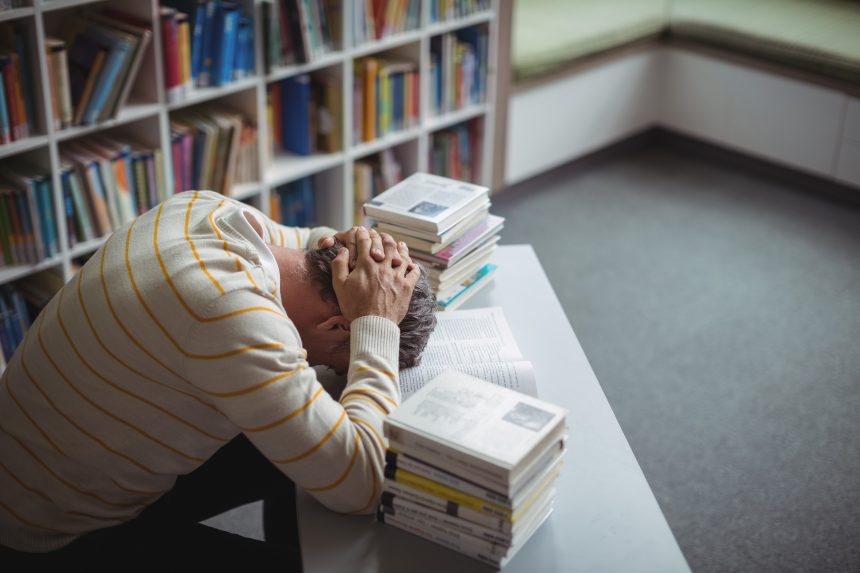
{"x":228,"y":24}
{"x":464,"y":418}
{"x":426,"y":202}
{"x":295,"y":112}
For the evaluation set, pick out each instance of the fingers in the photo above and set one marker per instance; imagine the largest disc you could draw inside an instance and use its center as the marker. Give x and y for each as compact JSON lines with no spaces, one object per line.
{"x":340,"y":267}
{"x":363,"y":245}
{"x":377,"y":252}
{"x":412,"y":276}
{"x":392,"y":253}
{"x":325,"y":242}
{"x":404,"y":255}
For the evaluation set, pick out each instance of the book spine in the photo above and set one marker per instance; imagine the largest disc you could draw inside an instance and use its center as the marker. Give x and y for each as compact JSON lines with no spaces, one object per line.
{"x":83,"y":209}
{"x":441,"y":455}
{"x":197,"y":40}
{"x":5,"y":125}
{"x":52,"y":243}
{"x":64,"y":90}
{"x":464,"y":546}
{"x":417,"y":467}
{"x":451,"y":508}
{"x":72,"y":232}
{"x":26,"y":79}
{"x":227,"y":48}
{"x":184,"y":49}
{"x":170,"y":40}
{"x":398,"y":505}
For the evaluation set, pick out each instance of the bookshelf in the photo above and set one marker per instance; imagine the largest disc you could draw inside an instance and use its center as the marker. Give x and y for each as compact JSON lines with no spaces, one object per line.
{"x":148,"y":113}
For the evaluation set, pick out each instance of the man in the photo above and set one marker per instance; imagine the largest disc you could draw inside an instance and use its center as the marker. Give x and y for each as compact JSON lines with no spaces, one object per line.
{"x":196,"y":323}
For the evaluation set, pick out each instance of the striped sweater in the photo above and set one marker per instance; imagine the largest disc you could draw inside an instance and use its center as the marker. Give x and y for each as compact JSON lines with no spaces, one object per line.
{"x":168,"y":343}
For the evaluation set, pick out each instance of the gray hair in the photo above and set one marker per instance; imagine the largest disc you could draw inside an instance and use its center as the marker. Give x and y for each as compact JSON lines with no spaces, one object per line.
{"x":416,"y":326}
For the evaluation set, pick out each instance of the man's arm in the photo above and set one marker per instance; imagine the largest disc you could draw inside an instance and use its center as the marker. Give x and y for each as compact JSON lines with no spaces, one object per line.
{"x":246,"y":359}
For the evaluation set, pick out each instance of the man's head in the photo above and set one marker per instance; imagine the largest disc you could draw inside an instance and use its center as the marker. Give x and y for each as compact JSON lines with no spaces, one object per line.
{"x":309,"y":298}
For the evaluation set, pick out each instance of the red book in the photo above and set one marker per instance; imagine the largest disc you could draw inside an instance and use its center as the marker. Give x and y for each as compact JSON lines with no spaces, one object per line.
{"x":379,"y":7}
{"x":413,"y":77}
{"x":170,"y":40}
{"x":11,"y":101}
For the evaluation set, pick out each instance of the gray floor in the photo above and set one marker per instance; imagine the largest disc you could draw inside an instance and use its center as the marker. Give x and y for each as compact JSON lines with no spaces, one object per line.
{"x":720,"y":309}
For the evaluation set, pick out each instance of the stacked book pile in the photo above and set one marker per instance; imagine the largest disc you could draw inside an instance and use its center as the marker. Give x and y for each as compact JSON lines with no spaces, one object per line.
{"x":447,"y":226}
{"x":205,"y":43}
{"x":472,"y":466}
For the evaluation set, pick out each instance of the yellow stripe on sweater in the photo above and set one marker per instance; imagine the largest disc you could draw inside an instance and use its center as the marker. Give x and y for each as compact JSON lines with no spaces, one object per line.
{"x":344,"y":475}
{"x":317,"y":446}
{"x":288,"y":417}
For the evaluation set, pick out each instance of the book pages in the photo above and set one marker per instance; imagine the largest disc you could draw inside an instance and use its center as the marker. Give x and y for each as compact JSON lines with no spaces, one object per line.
{"x":477,"y":342}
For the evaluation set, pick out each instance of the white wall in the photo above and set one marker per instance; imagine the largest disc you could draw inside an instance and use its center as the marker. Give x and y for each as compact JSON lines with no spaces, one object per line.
{"x":784,"y":120}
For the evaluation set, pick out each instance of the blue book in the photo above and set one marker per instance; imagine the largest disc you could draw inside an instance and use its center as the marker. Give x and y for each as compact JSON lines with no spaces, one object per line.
{"x":69,"y":209}
{"x":5,"y":127}
{"x":397,"y":111}
{"x":295,"y":114}
{"x":229,"y":33}
{"x":49,"y":224}
{"x":240,"y":64}
{"x":118,"y":52}
{"x":250,"y":60}
{"x":197,"y":39}
{"x":21,"y":309}
{"x":13,"y":323}
{"x":6,"y":335}
{"x":207,"y":43}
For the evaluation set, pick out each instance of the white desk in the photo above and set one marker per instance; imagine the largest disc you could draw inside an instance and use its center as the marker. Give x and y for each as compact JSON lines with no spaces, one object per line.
{"x":606,"y":517}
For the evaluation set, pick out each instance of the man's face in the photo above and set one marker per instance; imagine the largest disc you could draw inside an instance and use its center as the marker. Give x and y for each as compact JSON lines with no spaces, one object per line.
{"x":323,"y":332}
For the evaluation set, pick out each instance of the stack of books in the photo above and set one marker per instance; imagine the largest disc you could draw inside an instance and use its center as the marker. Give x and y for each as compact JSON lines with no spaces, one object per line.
{"x":93,"y":67}
{"x":472,"y":466}
{"x":447,"y":226}
{"x":205,"y":43}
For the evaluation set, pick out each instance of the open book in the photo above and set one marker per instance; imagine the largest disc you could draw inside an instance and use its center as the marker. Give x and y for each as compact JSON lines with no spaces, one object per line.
{"x":477,"y":342}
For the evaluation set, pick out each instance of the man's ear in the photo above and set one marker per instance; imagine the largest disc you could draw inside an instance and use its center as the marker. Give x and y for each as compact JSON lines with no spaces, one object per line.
{"x":334,"y":322}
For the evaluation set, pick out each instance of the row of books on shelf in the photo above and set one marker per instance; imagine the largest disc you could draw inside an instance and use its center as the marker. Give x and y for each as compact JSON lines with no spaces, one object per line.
{"x":377,"y":19}
{"x":28,"y":231}
{"x":305,"y":113}
{"x":448,"y":228}
{"x":205,"y":43}
{"x":213,"y":147}
{"x":106,"y":183}
{"x":472,"y":465}
{"x":444,"y":10}
{"x":385,"y":97}
{"x":21,"y":301}
{"x":12,"y":4}
{"x":92,"y":68}
{"x":458,"y":69}
{"x":17,"y":113}
{"x":14,"y":322}
{"x":371,"y":176}
{"x":298,"y":31}
{"x":456,"y":151}
{"x":294,"y":204}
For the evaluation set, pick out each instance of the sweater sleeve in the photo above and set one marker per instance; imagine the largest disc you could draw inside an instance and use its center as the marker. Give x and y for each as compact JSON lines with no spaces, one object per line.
{"x":252,"y":367}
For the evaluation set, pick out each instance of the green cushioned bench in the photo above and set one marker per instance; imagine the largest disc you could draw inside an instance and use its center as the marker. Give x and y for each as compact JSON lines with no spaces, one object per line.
{"x":821,"y":36}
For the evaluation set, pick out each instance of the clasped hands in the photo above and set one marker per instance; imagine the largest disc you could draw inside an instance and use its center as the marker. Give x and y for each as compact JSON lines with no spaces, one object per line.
{"x":372,"y":274}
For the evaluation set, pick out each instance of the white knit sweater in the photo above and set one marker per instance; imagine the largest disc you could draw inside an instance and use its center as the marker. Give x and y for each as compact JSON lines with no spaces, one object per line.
{"x":169,"y":342}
